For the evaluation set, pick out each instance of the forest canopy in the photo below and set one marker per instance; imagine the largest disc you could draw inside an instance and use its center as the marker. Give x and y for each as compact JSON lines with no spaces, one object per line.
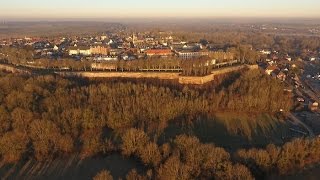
{"x":48,"y":117}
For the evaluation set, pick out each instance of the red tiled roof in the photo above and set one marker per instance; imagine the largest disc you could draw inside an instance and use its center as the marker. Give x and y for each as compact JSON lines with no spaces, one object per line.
{"x":158,"y":52}
{"x":272,"y":68}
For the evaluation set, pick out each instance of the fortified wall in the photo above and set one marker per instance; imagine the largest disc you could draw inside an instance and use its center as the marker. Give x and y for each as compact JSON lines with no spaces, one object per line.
{"x":12,"y":69}
{"x":159,"y":75}
{"x":136,"y":75}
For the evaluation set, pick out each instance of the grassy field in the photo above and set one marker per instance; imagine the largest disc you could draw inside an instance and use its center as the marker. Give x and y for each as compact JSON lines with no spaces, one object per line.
{"x":70,"y":168}
{"x":233,"y":131}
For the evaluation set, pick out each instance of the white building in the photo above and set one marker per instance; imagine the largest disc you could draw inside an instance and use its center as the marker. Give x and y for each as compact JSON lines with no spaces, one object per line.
{"x":265,"y":52}
{"x":85,"y":51}
{"x":190,"y":54}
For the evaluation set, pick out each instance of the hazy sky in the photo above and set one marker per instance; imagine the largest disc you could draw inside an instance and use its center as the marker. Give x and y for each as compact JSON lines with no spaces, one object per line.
{"x":159,"y":8}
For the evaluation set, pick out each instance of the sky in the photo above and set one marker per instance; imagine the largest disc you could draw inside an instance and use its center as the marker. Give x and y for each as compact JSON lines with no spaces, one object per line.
{"x":157,"y":8}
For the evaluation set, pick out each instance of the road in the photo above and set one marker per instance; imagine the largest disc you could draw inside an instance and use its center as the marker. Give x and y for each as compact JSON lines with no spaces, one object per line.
{"x":296,"y":120}
{"x":311,"y":91}
{"x":311,"y":84}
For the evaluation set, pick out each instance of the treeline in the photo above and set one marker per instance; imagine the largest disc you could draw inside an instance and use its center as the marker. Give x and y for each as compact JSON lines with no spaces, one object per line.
{"x":187,"y":158}
{"x":254,"y":92}
{"x":194,"y":67}
{"x":24,"y":57}
{"x":16,"y":55}
{"x":294,"y":45}
{"x":47,"y":117}
{"x":288,"y":159}
{"x":184,"y":158}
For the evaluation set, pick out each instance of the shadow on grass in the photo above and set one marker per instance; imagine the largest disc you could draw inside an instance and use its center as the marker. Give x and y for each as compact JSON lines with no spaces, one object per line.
{"x":70,"y":168}
{"x":232,"y":131}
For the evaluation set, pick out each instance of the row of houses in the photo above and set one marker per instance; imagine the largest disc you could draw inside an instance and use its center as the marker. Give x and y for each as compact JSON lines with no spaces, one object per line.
{"x":276,"y":72}
{"x":160,"y":52}
{"x":87,"y":51}
{"x":281,"y":72}
{"x":113,"y":44}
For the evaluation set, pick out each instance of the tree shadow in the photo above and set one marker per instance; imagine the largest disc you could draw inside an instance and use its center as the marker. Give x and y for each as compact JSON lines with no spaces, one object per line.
{"x":231,"y":131}
{"x":71,"y":168}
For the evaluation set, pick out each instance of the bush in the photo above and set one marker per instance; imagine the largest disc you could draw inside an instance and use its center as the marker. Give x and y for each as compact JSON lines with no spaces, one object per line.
{"x":133,"y":140}
{"x":12,"y":146}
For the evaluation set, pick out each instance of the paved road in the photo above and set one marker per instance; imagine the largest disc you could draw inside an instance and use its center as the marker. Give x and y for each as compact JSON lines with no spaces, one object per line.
{"x":296,"y":120}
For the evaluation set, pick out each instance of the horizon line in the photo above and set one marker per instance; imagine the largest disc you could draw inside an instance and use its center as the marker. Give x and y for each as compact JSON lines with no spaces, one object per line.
{"x":160,"y":17}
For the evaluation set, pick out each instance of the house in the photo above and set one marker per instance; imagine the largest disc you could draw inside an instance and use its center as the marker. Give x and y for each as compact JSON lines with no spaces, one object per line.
{"x":103,"y":37}
{"x":313,"y":106}
{"x":169,"y":39}
{"x":73,"y":51}
{"x":84,"y":51}
{"x":288,"y":58}
{"x":79,"y":50}
{"x":266,"y":52}
{"x":279,"y":74}
{"x":270,"y":69}
{"x":159,"y":52}
{"x":300,"y":99}
{"x":186,"y":54}
{"x":106,"y":58}
{"x":312,"y":59}
{"x":99,"y":50}
{"x":192,"y":47}
{"x":55,"y":48}
{"x":149,"y":39}
{"x":115,"y":52}
{"x":110,"y":42}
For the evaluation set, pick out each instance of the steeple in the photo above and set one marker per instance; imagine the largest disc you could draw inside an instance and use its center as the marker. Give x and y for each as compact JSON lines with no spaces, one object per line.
{"x":133,"y":38}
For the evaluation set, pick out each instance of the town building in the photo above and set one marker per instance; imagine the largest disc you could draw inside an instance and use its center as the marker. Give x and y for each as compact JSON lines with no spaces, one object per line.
{"x":185,"y":54}
{"x":277,"y":73}
{"x":266,"y":52}
{"x":270,"y":69}
{"x":313,"y":106}
{"x":99,"y":50}
{"x":106,"y":58}
{"x":79,"y":50}
{"x":159,"y":52}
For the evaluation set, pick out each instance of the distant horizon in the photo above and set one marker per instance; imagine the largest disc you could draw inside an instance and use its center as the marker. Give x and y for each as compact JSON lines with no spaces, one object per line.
{"x":158,"y":18}
{"x":172,"y":19}
{"x":97,"y":9}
